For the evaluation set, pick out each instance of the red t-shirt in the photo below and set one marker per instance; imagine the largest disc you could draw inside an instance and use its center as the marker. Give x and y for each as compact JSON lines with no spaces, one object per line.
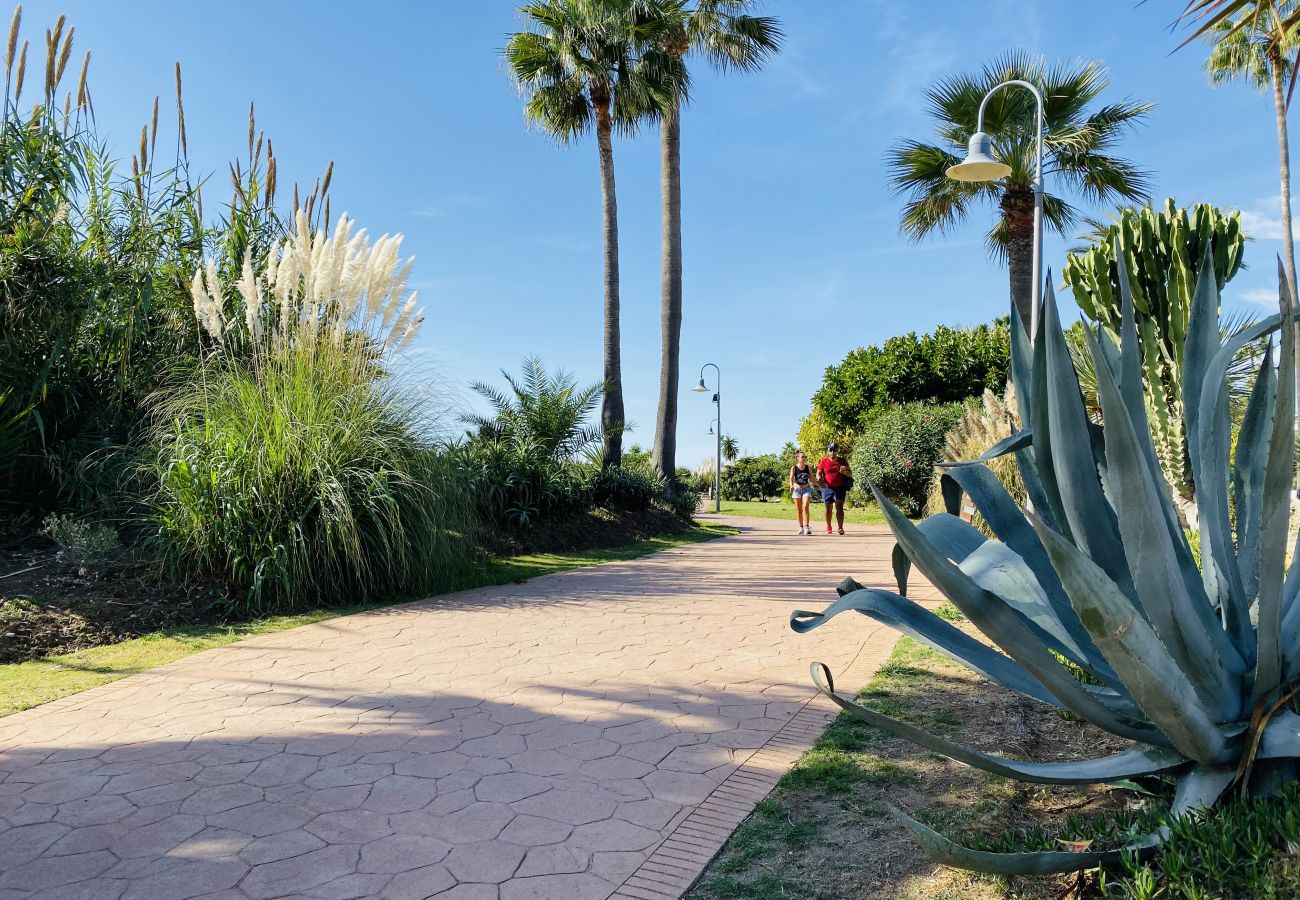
{"x":829,"y":467}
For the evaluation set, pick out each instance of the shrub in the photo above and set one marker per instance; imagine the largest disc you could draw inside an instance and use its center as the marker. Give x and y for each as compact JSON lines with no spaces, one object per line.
{"x":627,"y":487}
{"x":816,"y":433}
{"x":516,"y":484}
{"x":683,"y":502}
{"x":898,"y":450}
{"x":753,"y":478}
{"x":947,"y":365}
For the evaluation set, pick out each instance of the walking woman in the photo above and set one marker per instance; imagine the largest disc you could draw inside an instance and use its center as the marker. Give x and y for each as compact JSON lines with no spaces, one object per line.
{"x":801,"y":491}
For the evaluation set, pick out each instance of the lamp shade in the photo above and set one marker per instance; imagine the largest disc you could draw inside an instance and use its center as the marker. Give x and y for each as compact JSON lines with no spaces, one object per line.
{"x":700,"y":388}
{"x":979,"y":164}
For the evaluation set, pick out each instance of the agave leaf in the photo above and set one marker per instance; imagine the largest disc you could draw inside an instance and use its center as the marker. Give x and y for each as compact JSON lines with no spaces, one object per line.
{"x":1276,"y":513}
{"x":1092,"y":524}
{"x":1034,"y":486}
{"x":920,"y":624}
{"x":1159,"y":687}
{"x":1044,"y":456}
{"x":1022,"y":366}
{"x":1281,"y":737}
{"x":1046,"y":862}
{"x":1199,"y":788}
{"x":1008,"y":629}
{"x":1176,"y":606}
{"x":1203,"y":342}
{"x":1250,"y":460}
{"x":1010,"y":444}
{"x":999,"y":570}
{"x":1219,"y":558}
{"x":954,"y":536}
{"x":1008,"y":522}
{"x":1139,"y":760}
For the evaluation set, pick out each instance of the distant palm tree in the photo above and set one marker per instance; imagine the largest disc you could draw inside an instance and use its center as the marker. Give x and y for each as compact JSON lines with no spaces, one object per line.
{"x":732,"y":40}
{"x":542,"y":411}
{"x":1077,"y":155}
{"x":730,"y":448}
{"x":1261,"y":54}
{"x":597,"y":62}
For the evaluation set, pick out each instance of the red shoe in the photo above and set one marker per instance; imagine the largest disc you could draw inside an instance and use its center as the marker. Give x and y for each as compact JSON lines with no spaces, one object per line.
{"x":828,"y":530}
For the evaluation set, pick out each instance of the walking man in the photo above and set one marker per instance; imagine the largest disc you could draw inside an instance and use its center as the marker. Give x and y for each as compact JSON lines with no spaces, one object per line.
{"x":835,"y":478}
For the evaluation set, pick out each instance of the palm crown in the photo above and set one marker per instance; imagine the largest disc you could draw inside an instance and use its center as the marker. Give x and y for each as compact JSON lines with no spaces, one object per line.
{"x":1077,"y":147}
{"x":543,"y":410}
{"x":582,"y":56}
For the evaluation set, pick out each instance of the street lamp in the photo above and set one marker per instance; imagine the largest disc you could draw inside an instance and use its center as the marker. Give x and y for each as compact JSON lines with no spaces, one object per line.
{"x":979,"y":165}
{"x":702,"y":388}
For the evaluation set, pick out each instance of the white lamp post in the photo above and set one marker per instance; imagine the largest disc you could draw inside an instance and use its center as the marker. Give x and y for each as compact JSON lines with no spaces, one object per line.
{"x":701,"y":388}
{"x":979,"y":165}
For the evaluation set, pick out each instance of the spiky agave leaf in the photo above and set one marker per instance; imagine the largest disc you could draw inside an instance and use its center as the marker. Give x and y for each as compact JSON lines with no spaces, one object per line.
{"x":1195,"y":664}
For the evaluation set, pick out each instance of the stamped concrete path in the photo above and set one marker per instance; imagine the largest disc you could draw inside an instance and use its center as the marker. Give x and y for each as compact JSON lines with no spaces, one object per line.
{"x":583,"y":735}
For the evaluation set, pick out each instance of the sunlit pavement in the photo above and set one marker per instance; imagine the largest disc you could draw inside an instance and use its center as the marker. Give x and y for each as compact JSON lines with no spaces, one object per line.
{"x":537,"y":740}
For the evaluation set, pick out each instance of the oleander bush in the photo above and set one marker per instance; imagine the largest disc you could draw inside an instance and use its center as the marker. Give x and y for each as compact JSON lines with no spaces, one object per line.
{"x":898,"y":450}
{"x":754,"y":478}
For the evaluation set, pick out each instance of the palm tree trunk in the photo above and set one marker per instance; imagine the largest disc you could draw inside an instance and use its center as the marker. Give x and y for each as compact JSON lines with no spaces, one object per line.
{"x":611,"y":412}
{"x":1284,"y":168}
{"x":1276,"y":69}
{"x":664,"y":456}
{"x":1018,"y":211}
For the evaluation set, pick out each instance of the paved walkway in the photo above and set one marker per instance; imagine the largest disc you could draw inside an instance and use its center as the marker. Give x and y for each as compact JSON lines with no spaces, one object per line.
{"x":540,"y":740}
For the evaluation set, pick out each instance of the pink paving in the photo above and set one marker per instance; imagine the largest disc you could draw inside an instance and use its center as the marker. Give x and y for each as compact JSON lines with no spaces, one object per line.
{"x":585,"y":735}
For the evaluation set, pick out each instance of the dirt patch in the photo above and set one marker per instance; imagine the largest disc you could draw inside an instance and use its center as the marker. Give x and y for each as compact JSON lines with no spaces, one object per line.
{"x":825,"y":834}
{"x":54,"y":601}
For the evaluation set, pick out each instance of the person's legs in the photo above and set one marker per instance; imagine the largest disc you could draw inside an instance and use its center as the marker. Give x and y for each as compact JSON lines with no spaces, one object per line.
{"x":839,"y":511}
{"x":805,"y":510}
{"x":828,"y":500}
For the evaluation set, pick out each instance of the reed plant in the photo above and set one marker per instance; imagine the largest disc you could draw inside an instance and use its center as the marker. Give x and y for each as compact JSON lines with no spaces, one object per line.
{"x":294,"y":467}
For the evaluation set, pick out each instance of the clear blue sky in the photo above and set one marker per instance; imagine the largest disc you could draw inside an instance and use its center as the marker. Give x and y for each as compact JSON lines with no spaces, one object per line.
{"x":792,"y":252}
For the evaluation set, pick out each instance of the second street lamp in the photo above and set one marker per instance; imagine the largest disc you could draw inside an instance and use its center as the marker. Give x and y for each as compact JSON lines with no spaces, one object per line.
{"x":702,"y":388}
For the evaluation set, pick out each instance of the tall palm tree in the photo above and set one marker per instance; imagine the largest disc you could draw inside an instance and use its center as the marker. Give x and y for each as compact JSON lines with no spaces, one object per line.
{"x":597,"y":63}
{"x":1258,"y":49}
{"x":724,"y":33}
{"x":1077,"y":147}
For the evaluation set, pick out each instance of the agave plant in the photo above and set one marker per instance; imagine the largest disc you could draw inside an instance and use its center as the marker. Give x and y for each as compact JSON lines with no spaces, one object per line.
{"x":1197,"y":665}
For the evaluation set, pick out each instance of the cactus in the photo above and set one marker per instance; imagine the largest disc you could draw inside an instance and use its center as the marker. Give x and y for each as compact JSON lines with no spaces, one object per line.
{"x":1162,"y":253}
{"x":1198,"y":663}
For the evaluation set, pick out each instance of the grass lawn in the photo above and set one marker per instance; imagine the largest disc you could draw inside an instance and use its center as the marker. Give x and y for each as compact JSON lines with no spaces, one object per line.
{"x":784,"y":509}
{"x":27,"y":684}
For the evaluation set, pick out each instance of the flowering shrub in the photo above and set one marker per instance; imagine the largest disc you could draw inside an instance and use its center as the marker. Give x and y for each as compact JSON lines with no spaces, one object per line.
{"x":898,"y":449}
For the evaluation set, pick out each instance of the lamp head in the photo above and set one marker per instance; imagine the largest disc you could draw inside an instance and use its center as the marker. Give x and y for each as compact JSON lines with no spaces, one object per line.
{"x":700,"y":388}
{"x":710,"y":429}
{"x":979,"y":164}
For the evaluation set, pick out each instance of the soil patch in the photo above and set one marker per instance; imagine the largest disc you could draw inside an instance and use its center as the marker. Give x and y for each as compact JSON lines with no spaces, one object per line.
{"x":825,"y":834}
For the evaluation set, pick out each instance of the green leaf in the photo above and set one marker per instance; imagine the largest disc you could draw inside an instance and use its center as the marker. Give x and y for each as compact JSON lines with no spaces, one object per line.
{"x":1012,"y":443}
{"x":1159,"y":687}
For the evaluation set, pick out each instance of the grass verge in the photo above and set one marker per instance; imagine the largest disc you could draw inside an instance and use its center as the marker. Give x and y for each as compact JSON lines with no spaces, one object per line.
{"x":27,"y":684}
{"x":824,"y":833}
{"x":784,"y":509}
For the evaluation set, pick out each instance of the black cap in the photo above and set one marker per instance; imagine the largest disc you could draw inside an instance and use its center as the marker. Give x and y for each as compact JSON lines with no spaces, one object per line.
{"x":833,"y":446}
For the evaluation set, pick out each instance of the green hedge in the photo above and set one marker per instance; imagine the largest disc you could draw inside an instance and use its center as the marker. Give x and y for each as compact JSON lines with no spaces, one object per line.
{"x":898,"y":450}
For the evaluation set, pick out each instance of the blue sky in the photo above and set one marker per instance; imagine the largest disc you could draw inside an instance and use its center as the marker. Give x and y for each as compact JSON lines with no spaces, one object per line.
{"x":792,"y":251}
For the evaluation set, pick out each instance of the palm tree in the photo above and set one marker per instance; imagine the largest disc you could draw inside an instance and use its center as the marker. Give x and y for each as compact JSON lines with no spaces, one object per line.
{"x":730,"y":448}
{"x":732,"y":40}
{"x":586,"y":63}
{"x":1077,"y":147}
{"x":1260,"y":54}
{"x":540,"y":410}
